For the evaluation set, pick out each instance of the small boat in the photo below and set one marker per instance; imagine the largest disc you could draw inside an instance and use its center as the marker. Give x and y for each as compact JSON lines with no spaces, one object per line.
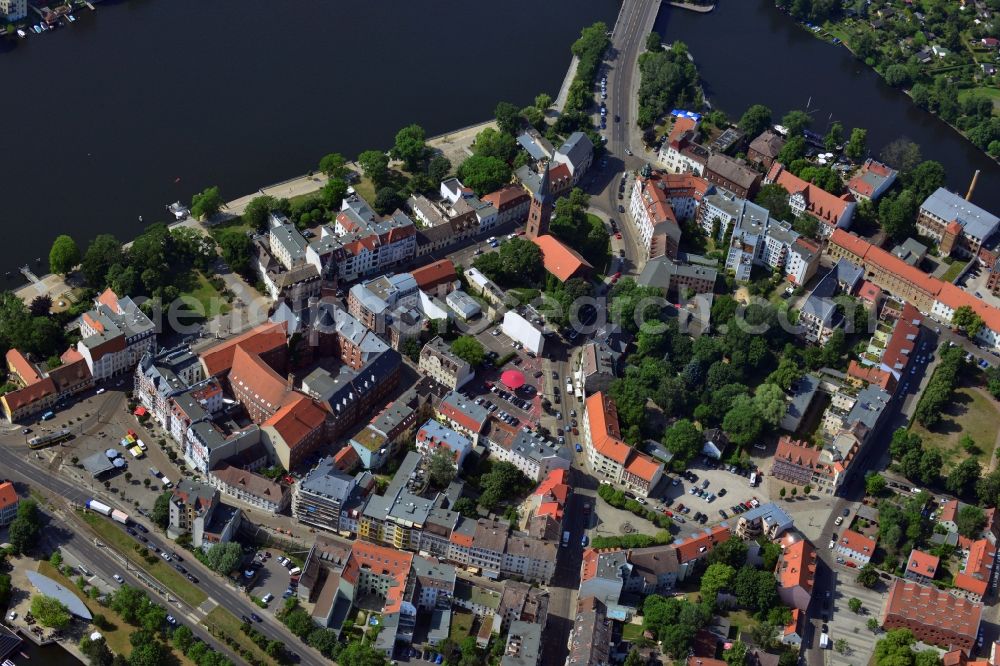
{"x":21,"y":33}
{"x":8,"y":662}
{"x":71,"y":18}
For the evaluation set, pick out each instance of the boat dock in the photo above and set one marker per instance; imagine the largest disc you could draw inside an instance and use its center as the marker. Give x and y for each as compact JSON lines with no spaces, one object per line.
{"x":29,"y":275}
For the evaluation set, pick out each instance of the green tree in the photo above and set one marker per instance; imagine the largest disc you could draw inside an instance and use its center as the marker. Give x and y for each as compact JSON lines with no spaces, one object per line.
{"x":24,"y":529}
{"x":493,"y":143}
{"x":256,"y":211}
{"x":96,"y":651}
{"x":769,"y":401}
{"x":64,"y":255}
{"x":484,"y":174}
{"x":375,"y":165}
{"x":854,"y":604}
{"x":333,"y":165}
{"x":102,"y":252}
{"x":967,"y":320}
{"x":634,"y":658}
{"x":841,"y":646}
{"x":161,"y":510}
{"x":182,"y":638}
{"x":742,"y":422}
{"x":717,"y":577}
{"x":441,"y":467}
{"x":901,"y":154}
{"x":206,"y":203}
{"x":755,"y":590}
{"x":897,"y":214}
{"x":834,"y":136}
{"x":438,"y":168}
{"x":503,"y":481}
{"x":794,"y":149}
{"x":796,"y":122}
{"x":755,"y":120}
{"x":774,"y":197}
{"x":684,"y":440}
{"x":360,"y":653}
{"x":50,"y":612}
{"x":962,"y":479}
{"x":387,"y":199}
{"x":469,"y":349}
{"x":224,"y":557}
{"x":857,"y":145}
{"x":927,"y":177}
{"x":236,"y":249}
{"x":736,"y":655}
{"x":410,"y":146}
{"x":874,"y":484}
{"x":147,"y":653}
{"x":543,"y":101}
{"x":970,"y":521}
{"x":508,"y":118}
{"x":873,"y":625}
{"x":732,"y":552}
{"x":868,"y":576}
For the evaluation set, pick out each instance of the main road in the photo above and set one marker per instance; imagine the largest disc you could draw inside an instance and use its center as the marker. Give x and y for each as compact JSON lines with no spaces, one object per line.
{"x":20,"y":470}
{"x":635,"y":21}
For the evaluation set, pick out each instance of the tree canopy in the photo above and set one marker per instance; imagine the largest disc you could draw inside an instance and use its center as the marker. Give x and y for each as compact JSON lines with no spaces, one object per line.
{"x":64,"y":255}
{"x":484,"y":174}
{"x":469,"y":349}
{"x":206,"y":203}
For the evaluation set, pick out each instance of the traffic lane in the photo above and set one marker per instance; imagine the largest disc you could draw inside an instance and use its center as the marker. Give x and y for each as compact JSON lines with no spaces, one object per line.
{"x":217,"y":591}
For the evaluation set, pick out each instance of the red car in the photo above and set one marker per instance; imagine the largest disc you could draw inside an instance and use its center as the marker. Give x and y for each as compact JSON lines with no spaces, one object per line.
{"x":618,"y":235}
{"x":851,"y":564}
{"x":618,"y":275}
{"x":668,"y":512}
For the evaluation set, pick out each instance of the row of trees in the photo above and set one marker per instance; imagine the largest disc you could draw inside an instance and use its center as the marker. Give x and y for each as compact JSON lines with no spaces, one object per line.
{"x":941,"y":387}
{"x":617,"y":499}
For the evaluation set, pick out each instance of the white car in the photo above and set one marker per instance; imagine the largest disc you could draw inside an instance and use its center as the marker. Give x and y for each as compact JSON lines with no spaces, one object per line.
{"x":267,"y":598}
{"x":840,"y":519}
{"x":831,"y":545}
{"x":99,"y":391}
{"x":12,"y":616}
{"x":118,"y":579}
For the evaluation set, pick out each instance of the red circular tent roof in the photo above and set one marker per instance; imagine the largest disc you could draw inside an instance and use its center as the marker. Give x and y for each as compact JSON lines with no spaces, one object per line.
{"x":513,"y":379}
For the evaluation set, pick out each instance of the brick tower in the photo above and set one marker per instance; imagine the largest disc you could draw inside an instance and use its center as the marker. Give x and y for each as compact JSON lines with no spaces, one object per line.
{"x":541,"y":208}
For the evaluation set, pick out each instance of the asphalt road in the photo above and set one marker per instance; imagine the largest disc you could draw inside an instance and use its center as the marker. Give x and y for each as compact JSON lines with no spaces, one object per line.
{"x":14,"y":461}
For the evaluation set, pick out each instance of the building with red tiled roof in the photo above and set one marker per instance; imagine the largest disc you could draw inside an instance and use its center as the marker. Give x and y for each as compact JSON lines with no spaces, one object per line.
{"x":296,"y":430}
{"x":561,"y":260}
{"x":922,"y":567}
{"x":264,"y":340}
{"x":973,"y":581}
{"x":872,"y":180}
{"x":608,"y":455}
{"x":658,"y":202}
{"x":856,"y":546}
{"x":19,"y":366}
{"x":831,"y":211}
{"x":867,"y":374}
{"x":796,"y":572}
{"x":346,"y":459}
{"x":512,"y":203}
{"x":869,"y":293}
{"x":933,"y":615}
{"x":799,"y":462}
{"x":8,"y":503}
{"x":696,"y":547}
{"x":258,"y":386}
{"x":430,"y":277}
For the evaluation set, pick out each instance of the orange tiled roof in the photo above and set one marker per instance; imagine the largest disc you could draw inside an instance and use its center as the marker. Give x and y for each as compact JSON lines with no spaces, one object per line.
{"x":870,"y":374}
{"x":923,"y":564}
{"x":21,"y":397}
{"x":681,"y":125}
{"x":949,"y":510}
{"x":507,"y":196}
{"x":23,"y":367}
{"x":797,"y":566}
{"x":381,"y":561}
{"x":434,"y":273}
{"x":643,"y":467}
{"x":109,"y":298}
{"x":793,"y":626}
{"x":297,"y":420}
{"x":978,"y":567}
{"x":820,"y":204}
{"x":346,"y":459}
{"x":697,"y":545}
{"x":8,"y":496}
{"x":257,"y":340}
{"x":267,"y":385}
{"x":857,"y":543}
{"x":70,"y":355}
{"x":560,"y":260}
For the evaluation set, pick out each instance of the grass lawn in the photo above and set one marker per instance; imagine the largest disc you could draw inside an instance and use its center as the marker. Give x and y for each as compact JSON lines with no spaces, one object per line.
{"x":161,"y":571}
{"x":234,"y":224}
{"x":461,"y":625}
{"x":992,"y":93}
{"x":203,"y":298}
{"x":953,"y":270}
{"x":974,"y":413}
{"x":116,"y":637}
{"x":631,"y":632}
{"x":740,"y":622}
{"x":225,"y":623}
{"x":365,"y":189}
{"x":302,"y":198}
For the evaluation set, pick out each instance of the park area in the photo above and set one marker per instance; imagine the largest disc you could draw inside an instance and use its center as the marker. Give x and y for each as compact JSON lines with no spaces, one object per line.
{"x":972,"y":413}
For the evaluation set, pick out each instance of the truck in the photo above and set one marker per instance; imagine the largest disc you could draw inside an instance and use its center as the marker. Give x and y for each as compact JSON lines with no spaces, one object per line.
{"x":119,"y":517}
{"x":565,"y":539}
{"x":824,"y":640}
{"x":99,"y":507}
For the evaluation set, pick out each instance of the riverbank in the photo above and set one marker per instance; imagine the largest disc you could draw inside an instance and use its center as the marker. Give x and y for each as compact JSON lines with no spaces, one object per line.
{"x":841,"y":33}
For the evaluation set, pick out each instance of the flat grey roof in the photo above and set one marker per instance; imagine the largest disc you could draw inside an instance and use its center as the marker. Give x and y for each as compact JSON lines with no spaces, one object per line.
{"x":67,"y":597}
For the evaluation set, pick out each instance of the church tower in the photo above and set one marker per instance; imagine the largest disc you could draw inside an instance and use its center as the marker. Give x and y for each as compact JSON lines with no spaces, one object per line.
{"x":541,"y":208}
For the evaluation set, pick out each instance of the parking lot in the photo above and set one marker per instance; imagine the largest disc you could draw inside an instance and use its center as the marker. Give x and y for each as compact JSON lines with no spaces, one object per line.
{"x":272,"y":578}
{"x":730,"y":489}
{"x":843,"y":623}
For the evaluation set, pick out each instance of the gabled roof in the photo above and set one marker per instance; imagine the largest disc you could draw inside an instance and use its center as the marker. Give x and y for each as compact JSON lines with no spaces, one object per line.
{"x":435,"y":273}
{"x":922,"y":564}
{"x":257,"y":340}
{"x":251,"y":373}
{"x":826,"y":207}
{"x":698,"y":544}
{"x":8,"y":496}
{"x":299,"y":418}
{"x":857,"y":543}
{"x":560,"y":260}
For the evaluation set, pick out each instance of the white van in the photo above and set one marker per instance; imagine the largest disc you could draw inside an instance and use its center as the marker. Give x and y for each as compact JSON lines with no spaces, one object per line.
{"x":167,"y":483}
{"x":295,"y":571}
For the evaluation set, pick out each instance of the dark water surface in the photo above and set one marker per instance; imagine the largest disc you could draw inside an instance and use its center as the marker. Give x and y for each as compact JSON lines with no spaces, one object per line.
{"x":748,"y":52}
{"x":100,"y":117}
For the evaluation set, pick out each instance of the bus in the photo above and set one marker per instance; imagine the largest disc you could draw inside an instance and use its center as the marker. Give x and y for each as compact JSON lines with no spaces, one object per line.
{"x":50,"y":438}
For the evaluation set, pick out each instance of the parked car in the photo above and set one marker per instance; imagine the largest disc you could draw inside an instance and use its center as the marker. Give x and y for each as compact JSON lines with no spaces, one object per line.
{"x":118,"y":579}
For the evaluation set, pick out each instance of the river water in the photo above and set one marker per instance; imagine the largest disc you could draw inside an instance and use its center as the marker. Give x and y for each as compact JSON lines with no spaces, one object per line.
{"x":101,"y":118}
{"x":748,"y":52}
